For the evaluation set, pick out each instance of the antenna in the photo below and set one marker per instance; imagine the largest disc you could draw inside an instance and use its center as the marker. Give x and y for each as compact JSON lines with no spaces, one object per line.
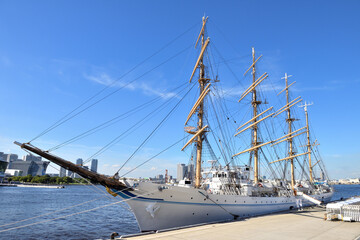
{"x":286,"y":83}
{"x":286,"y":76}
{"x":305,"y":105}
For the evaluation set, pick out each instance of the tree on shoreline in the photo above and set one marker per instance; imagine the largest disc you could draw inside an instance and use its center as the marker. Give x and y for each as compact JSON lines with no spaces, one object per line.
{"x":46,"y":179}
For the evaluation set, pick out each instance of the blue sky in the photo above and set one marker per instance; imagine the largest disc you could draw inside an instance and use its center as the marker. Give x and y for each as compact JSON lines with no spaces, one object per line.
{"x":54,"y":55}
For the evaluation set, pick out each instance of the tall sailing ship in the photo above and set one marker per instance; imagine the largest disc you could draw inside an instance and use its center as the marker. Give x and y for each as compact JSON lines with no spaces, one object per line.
{"x":219,"y":192}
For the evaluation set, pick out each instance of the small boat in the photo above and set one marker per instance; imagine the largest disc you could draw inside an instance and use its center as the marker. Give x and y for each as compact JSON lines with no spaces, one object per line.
{"x":29,"y":185}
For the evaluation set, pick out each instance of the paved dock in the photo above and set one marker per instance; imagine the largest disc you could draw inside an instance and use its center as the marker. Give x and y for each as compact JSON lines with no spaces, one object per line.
{"x":306,"y":224}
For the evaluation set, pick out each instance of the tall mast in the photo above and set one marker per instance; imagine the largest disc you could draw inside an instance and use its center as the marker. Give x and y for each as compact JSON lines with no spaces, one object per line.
{"x":199,"y":105}
{"x":290,"y":139}
{"x":255,"y":120}
{"x":308,"y":140}
{"x":291,"y":134}
{"x":202,"y":82}
{"x":255,"y":103}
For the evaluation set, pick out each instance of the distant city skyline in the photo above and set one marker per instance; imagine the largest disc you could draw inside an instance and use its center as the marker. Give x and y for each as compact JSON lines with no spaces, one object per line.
{"x":34,"y":165}
{"x":28,"y":165}
{"x":183,"y":170}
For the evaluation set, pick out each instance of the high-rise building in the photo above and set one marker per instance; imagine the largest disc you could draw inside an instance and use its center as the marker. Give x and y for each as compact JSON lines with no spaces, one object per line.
{"x":190,"y":171}
{"x":94,"y":165}
{"x":30,"y":167}
{"x":62,"y":172}
{"x":30,"y":157}
{"x":3,"y":165}
{"x":79,"y":162}
{"x":181,"y":170}
{"x":11,"y":157}
{"x":2,"y":157}
{"x":159,"y":176}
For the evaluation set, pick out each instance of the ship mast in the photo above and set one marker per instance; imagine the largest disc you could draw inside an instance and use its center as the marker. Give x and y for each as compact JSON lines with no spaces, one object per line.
{"x":308,"y":139}
{"x":289,"y":120}
{"x":255,"y":103}
{"x":255,"y":120}
{"x":291,"y":134}
{"x":202,"y":82}
{"x":204,"y":87}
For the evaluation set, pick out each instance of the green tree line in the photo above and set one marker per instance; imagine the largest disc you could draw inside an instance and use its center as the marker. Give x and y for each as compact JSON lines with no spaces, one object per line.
{"x":46,"y":179}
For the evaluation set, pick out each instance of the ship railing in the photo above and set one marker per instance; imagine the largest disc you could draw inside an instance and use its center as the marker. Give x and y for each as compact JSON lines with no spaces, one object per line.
{"x":227,"y":188}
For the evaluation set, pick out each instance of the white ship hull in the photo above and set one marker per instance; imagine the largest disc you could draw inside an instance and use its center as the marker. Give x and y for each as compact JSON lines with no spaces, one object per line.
{"x":175,"y":206}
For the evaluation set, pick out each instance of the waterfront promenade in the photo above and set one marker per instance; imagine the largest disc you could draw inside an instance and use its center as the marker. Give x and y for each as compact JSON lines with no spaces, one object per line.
{"x":306,"y":224}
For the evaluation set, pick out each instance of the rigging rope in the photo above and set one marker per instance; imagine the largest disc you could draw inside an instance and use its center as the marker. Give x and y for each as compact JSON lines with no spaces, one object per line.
{"x":109,"y":122}
{"x":100,"y":191}
{"x":70,"y":116}
{"x":232,"y":72}
{"x":162,"y":121}
{"x":128,"y":131}
{"x":224,"y":36}
{"x":100,"y":126}
{"x":85,"y":180}
{"x":154,"y":156}
{"x":207,"y":196}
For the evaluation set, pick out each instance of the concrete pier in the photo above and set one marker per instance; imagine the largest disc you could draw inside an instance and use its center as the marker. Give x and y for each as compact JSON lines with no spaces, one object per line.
{"x":306,"y":224}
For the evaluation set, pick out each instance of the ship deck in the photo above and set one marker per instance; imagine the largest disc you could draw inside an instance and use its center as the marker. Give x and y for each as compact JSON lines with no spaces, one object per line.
{"x":306,"y":224}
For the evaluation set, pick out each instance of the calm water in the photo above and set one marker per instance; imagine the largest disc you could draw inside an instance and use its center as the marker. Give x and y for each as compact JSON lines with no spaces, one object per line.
{"x":23,"y":203}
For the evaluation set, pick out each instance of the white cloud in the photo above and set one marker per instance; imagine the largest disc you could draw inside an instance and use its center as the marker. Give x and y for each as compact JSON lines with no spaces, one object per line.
{"x":238,"y":91}
{"x":105,"y":79}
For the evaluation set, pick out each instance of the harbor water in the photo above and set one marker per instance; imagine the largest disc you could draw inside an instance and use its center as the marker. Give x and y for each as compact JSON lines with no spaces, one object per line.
{"x":34,"y":213}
